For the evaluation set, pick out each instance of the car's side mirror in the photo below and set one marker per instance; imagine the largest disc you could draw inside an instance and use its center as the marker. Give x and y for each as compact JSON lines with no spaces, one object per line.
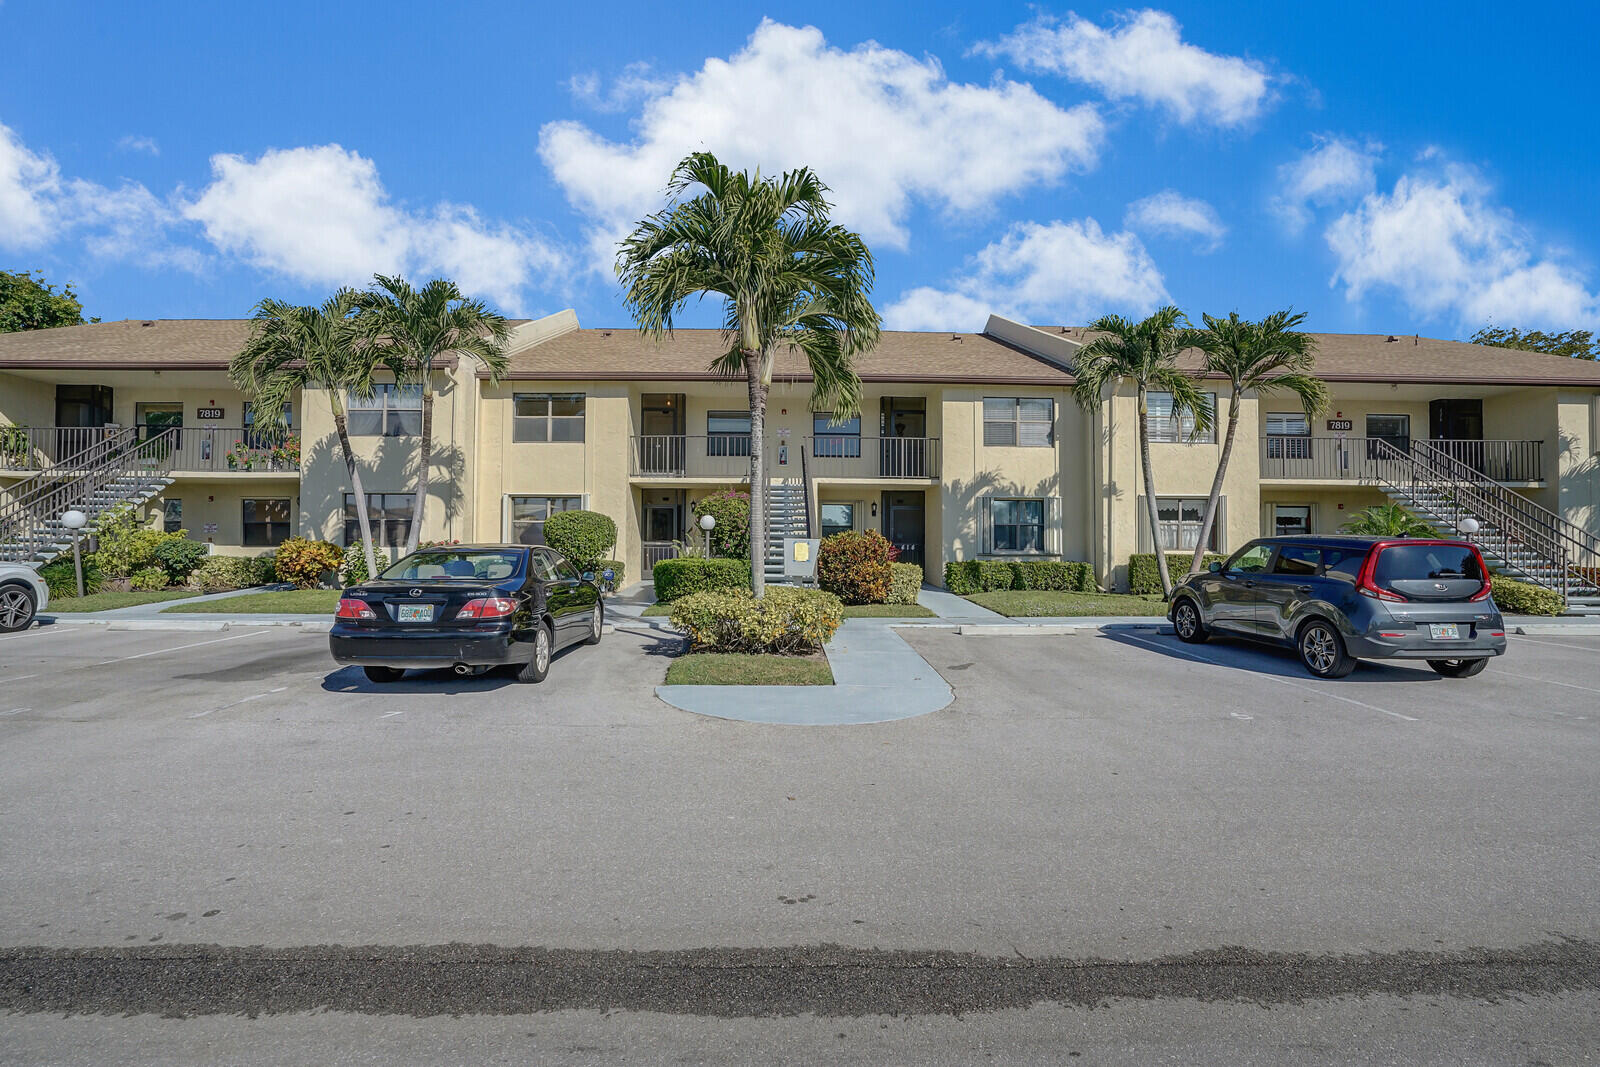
{"x":588,"y":576}
{"x":1214,"y":567}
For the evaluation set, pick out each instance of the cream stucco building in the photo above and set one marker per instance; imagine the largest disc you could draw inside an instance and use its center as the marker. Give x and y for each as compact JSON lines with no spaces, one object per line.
{"x":967,"y":445}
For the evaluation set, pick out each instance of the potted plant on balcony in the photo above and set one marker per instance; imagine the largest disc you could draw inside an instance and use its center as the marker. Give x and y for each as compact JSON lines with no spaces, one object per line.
{"x":14,"y":446}
{"x":286,"y":454}
{"x":241,"y":458}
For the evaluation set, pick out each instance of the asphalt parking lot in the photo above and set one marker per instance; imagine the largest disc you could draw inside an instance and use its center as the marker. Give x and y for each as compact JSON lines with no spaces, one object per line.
{"x":1118,"y":797}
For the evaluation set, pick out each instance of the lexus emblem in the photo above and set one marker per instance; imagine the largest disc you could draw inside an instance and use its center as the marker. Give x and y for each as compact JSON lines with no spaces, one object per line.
{"x":418,"y":592}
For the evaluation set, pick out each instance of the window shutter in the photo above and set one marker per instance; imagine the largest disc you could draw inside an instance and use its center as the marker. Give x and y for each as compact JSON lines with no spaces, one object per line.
{"x":858,"y":516}
{"x":985,"y":526}
{"x":1052,"y":525}
{"x":1146,"y":541}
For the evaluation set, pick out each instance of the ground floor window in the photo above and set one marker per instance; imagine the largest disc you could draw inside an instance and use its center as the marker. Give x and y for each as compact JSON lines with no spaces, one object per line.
{"x":266,"y":521}
{"x":389,"y":514}
{"x":529,"y":512}
{"x":1178,"y":523}
{"x":1291,"y":520}
{"x":837,"y":518}
{"x":172,"y":514}
{"x":1018,"y":525}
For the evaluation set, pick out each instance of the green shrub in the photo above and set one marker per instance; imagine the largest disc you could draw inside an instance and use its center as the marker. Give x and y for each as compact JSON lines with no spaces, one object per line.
{"x":60,"y":579}
{"x":676,"y":578}
{"x":179,"y":556}
{"x":148,"y":578}
{"x":355,"y":565}
{"x":731,"y":508}
{"x":263,"y":569}
{"x":584,"y":537}
{"x":1144,"y":577}
{"x":785,"y":620}
{"x":994,"y":574}
{"x":1523,"y":598}
{"x":223,"y":574}
{"x":905,"y":582}
{"x":619,"y":572}
{"x":126,"y":545}
{"x":961,"y":576}
{"x":302,"y":563}
{"x":855,"y":567}
{"x":1060,"y":575}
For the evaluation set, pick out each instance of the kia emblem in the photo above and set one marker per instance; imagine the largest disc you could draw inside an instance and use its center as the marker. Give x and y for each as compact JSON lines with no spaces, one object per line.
{"x":418,"y":592}
{"x":1436,"y":585}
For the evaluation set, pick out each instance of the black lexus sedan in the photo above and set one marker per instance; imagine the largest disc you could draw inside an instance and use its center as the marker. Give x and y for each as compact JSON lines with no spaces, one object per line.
{"x":467,"y":607}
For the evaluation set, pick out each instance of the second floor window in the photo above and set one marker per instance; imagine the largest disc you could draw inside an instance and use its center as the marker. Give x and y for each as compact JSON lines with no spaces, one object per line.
{"x":830,"y":439}
{"x":391,"y":411}
{"x":547,"y":417}
{"x":1288,"y":435}
{"x":727,"y":433}
{"x":1178,"y":429}
{"x":1020,"y":421}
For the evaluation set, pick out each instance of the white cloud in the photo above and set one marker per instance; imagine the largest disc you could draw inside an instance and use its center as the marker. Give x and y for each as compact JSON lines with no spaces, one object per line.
{"x":1040,"y":272}
{"x":633,"y":85}
{"x":1170,"y":212}
{"x":1334,"y":170}
{"x":1446,"y":249}
{"x":30,"y":188}
{"x":882,"y":128}
{"x":1142,"y":57}
{"x":321,"y":216}
{"x":132,"y":143}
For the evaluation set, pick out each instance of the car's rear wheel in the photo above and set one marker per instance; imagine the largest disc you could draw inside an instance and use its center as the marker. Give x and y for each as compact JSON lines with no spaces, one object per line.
{"x":16,"y":608}
{"x":538,"y":665}
{"x":384,"y":674}
{"x":1459,"y":668}
{"x":597,"y":621}
{"x":1322,"y":650}
{"x":1186,"y":621}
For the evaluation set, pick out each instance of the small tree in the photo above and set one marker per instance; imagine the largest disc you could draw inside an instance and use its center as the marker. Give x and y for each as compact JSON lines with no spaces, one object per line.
{"x":1388,"y":520}
{"x":1146,"y":354}
{"x":731,"y":510}
{"x":584,"y":537}
{"x":28,"y":302}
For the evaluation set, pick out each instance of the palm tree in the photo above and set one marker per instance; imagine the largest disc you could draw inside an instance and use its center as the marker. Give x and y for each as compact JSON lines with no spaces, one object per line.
{"x":294,"y":349}
{"x":417,"y":327}
{"x":1388,"y":520}
{"x":1265,"y":357}
{"x":1146,"y":354}
{"x":787,"y":276}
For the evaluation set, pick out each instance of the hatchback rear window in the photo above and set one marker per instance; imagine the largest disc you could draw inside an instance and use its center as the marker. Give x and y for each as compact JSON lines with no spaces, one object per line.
{"x":1416,"y":563}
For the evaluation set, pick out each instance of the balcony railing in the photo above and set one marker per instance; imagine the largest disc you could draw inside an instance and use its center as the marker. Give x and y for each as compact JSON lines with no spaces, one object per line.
{"x":1356,"y":459}
{"x":194,"y":449}
{"x":831,"y":456}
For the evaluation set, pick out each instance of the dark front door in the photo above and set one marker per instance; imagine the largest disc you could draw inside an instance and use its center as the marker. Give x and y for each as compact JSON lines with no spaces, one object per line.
{"x":80,"y":412}
{"x":1456,"y":427}
{"x":904,"y":525}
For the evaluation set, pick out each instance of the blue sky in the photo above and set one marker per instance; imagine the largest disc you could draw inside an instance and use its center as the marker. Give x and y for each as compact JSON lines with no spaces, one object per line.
{"x":1383,"y":167}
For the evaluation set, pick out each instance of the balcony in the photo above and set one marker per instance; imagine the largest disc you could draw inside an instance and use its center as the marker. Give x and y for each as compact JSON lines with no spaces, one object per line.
{"x":195,"y":450}
{"x":1356,"y":459}
{"x":727,"y":456}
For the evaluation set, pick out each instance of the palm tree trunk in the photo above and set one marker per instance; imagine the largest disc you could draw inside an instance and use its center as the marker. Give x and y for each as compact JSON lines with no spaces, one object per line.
{"x":1216,"y":483}
{"x":425,"y":458}
{"x":758,"y":479}
{"x":355,"y":484}
{"x":1150,"y":495}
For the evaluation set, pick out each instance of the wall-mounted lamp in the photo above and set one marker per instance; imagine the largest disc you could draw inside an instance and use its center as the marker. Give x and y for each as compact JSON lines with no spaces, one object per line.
{"x":874,"y":509}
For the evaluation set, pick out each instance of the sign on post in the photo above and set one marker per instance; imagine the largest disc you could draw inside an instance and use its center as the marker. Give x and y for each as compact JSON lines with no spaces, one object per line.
{"x":800,"y":557}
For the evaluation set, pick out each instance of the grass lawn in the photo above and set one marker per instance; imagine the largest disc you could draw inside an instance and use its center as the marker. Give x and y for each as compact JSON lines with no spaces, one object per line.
{"x":288,"y":602}
{"x":887,"y":611}
{"x":733,"y":668}
{"x":657,"y":609}
{"x":1029,"y":603}
{"x":107,"y":601}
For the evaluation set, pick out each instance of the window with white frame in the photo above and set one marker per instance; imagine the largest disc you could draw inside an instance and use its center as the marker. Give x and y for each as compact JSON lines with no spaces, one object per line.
{"x":393,"y":410}
{"x":547,"y":417}
{"x":1019,"y":421}
{"x":1178,"y":428}
{"x":528,"y":513}
{"x":389,"y":515}
{"x":1178,"y":521}
{"x":1017,"y":525}
{"x":1288,"y":435}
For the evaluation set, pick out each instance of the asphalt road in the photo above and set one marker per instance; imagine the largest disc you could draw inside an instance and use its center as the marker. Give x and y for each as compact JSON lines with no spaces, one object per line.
{"x":1397,"y":867}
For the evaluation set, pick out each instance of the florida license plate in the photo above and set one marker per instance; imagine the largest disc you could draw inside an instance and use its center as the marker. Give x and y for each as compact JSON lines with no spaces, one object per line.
{"x":414,"y":612}
{"x":1445,"y":631}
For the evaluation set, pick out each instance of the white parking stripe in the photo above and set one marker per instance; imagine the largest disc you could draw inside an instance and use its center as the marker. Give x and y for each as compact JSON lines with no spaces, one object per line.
{"x":1553,"y":644}
{"x":40,"y":632}
{"x":242,"y":700}
{"x":14,"y":711}
{"x":1546,"y":681}
{"x":1272,"y":678}
{"x":19,"y":678}
{"x":178,"y":648}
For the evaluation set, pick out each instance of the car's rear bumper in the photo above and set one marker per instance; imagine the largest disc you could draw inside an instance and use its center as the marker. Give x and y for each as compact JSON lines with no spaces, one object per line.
{"x":1479,"y":644}
{"x":352,"y":645}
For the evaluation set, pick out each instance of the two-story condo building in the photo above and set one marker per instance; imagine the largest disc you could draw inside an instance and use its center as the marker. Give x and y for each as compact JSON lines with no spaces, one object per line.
{"x":967,"y":445}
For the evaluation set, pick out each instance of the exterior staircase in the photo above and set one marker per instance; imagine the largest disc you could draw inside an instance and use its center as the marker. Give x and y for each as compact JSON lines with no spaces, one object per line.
{"x":1516,"y":536}
{"x":118,"y":470}
{"x":788,"y":516}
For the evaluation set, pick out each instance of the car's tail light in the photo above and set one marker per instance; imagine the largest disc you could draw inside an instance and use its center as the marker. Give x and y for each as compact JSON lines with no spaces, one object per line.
{"x":1364,"y":583}
{"x":354,"y":609}
{"x":1483,"y":569}
{"x":488,"y":607}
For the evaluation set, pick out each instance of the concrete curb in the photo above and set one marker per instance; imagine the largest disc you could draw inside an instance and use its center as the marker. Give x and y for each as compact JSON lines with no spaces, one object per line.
{"x":1555,"y":629}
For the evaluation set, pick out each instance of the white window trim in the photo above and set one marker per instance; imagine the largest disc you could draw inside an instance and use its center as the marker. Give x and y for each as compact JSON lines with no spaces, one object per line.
{"x":1209,"y":437}
{"x":1015,"y":422}
{"x":549,"y":418}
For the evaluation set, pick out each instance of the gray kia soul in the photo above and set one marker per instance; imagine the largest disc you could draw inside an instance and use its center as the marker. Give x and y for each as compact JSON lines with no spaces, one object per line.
{"x":1339,"y":599}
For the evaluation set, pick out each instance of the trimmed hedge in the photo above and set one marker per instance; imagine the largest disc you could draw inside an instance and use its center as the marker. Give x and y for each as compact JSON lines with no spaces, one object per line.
{"x":1524,"y":598}
{"x":223,"y":574}
{"x":619,"y":571}
{"x":785,"y":620}
{"x":905,"y":582}
{"x":1145,"y":577}
{"x":967,"y":576}
{"x":677,"y":578}
{"x":584,"y":537}
{"x":855,"y":567}
{"x":302,"y":562}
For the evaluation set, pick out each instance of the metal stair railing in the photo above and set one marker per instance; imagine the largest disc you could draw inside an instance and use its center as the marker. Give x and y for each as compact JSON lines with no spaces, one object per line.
{"x":83,"y":459}
{"x":805,"y":489}
{"x":42,"y":500}
{"x":1570,"y":554}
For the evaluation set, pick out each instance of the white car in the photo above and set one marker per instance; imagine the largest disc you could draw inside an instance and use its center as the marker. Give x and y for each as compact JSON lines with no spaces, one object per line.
{"x":23,"y":595}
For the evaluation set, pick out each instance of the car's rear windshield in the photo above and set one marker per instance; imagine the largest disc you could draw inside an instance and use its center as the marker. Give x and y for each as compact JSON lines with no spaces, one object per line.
{"x":1415,"y":563}
{"x":467,"y":565}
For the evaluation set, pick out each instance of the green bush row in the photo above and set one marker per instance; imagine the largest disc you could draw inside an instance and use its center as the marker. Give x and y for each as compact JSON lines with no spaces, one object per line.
{"x":223,"y":574}
{"x":786,"y":620}
{"x":967,"y":576}
{"x":60,"y":578}
{"x":1145,"y":577}
{"x":677,"y":578}
{"x":1523,"y":598}
{"x":905,"y":582}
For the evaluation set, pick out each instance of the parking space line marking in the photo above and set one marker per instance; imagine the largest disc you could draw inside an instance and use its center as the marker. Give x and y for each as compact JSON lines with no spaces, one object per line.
{"x":1548,"y":681}
{"x":1551,"y":644}
{"x":14,"y":711}
{"x":236,"y":703}
{"x":19,"y":678}
{"x":26,"y":633}
{"x":178,"y":648}
{"x":386,"y":714}
{"x":1274,"y":678}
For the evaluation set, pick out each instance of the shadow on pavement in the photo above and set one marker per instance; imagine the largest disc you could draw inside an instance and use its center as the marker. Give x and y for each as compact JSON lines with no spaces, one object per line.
{"x":1264,"y":658}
